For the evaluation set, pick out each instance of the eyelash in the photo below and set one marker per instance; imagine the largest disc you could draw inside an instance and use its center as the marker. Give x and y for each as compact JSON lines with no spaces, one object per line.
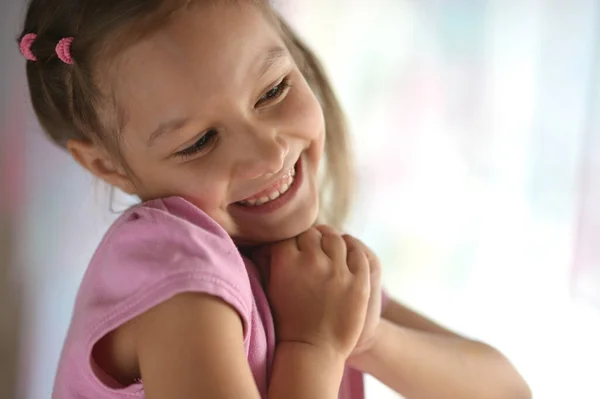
{"x":199,"y":145}
{"x":277,"y":91}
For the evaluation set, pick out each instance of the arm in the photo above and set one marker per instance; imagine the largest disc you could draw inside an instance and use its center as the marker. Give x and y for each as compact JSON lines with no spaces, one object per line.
{"x":303,"y":371}
{"x":420,"y":359}
{"x":192,"y":346}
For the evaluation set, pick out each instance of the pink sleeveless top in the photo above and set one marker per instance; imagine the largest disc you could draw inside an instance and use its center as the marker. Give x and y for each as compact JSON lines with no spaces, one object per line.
{"x":153,"y":252}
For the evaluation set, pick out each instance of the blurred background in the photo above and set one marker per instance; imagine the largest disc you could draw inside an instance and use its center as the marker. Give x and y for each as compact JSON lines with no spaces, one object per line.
{"x":477,"y":135}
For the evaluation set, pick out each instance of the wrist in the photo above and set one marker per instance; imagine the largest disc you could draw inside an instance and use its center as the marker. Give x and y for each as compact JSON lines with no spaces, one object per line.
{"x":364,"y":356}
{"x":322,"y":354}
{"x":302,"y":370}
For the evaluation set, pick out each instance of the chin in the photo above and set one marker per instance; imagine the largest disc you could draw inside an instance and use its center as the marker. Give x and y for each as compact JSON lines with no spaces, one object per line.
{"x":294,"y":216}
{"x":261,"y":235}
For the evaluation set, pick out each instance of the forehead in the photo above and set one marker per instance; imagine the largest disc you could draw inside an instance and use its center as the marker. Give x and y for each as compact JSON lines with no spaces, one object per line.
{"x":201,"y":55}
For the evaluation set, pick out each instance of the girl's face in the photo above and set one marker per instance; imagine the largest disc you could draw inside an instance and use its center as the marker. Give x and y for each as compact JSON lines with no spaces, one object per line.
{"x":217,"y":112}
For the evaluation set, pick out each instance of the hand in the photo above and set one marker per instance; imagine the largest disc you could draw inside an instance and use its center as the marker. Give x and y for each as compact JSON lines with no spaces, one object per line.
{"x":319,"y":291}
{"x":374,"y":307}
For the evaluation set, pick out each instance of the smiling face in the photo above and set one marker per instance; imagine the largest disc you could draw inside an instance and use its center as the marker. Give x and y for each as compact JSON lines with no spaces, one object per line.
{"x":217,"y":112}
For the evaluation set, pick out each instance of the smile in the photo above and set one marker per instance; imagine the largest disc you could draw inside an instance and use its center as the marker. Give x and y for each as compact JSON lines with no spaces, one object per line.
{"x":277,"y":195}
{"x":279,"y":188}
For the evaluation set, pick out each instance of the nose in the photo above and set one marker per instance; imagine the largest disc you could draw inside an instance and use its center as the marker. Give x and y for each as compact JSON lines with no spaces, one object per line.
{"x":261,"y":154}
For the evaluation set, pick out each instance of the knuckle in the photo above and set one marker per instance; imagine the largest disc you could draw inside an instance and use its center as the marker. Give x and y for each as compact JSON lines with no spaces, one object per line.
{"x":364,"y":261}
{"x":313,"y":261}
{"x":313,"y":230}
{"x":351,"y":239}
{"x":375,"y":264}
{"x":362,"y":290}
{"x":307,"y":233}
{"x":358,"y":257}
{"x":326,"y":229}
{"x":333,"y":239}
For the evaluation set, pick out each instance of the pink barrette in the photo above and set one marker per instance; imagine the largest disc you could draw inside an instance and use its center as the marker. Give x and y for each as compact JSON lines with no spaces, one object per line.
{"x":63,"y":50}
{"x":25,"y":46}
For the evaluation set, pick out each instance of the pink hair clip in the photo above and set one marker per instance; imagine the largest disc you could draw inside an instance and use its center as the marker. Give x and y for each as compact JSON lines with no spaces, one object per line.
{"x":63,"y":50}
{"x":25,"y":46}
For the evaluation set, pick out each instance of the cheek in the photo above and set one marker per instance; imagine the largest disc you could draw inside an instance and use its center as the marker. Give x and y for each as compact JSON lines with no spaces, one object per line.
{"x":206,"y":198}
{"x":205,"y":187}
{"x":189,"y":181}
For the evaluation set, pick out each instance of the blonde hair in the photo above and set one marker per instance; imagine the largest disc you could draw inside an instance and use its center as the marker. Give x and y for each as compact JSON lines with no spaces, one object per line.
{"x":68,"y":101}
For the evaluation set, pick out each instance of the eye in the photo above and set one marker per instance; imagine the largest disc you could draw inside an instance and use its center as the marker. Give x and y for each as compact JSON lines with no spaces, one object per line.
{"x":277,"y":91}
{"x":199,"y":145}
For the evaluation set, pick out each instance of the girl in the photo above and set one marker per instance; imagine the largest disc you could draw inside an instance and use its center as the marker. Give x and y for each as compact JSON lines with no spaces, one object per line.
{"x":216,"y":115}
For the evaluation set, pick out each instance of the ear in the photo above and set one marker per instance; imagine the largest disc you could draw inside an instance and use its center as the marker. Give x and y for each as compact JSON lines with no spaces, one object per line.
{"x":100,"y":164}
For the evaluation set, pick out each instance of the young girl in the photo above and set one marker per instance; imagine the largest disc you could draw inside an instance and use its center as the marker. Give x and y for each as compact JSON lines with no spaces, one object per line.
{"x":216,"y":115}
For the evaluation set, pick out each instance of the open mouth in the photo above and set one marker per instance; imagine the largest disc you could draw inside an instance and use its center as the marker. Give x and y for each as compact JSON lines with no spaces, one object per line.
{"x":278,"y":194}
{"x":281,"y":187}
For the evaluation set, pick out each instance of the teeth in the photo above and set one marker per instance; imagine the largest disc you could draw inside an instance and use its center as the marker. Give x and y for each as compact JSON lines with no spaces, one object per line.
{"x":273,"y":195}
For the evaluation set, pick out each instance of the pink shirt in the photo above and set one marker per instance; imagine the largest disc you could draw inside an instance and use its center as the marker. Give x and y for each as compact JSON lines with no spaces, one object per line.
{"x":153,"y":252}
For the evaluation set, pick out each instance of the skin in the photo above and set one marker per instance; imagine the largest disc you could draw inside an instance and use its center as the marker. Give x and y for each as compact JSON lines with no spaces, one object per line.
{"x":258,"y":136}
{"x":258,"y":130}
{"x":184,"y":72}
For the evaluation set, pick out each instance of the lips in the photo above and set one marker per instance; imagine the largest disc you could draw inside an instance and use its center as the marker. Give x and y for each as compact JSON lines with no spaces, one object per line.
{"x":284,"y":190}
{"x":276,"y":190}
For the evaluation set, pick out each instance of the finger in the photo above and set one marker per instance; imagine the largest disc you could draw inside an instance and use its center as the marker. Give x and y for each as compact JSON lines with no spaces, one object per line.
{"x":357,"y":261}
{"x":354,"y":243}
{"x":326,"y":229}
{"x":309,"y":240}
{"x":334,"y":247}
{"x":283,"y":250}
{"x":358,"y":265}
{"x":332,"y":243}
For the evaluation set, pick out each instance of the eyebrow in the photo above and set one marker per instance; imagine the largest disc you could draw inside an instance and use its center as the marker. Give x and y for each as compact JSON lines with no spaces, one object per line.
{"x":167,"y":127}
{"x":273,"y":56}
